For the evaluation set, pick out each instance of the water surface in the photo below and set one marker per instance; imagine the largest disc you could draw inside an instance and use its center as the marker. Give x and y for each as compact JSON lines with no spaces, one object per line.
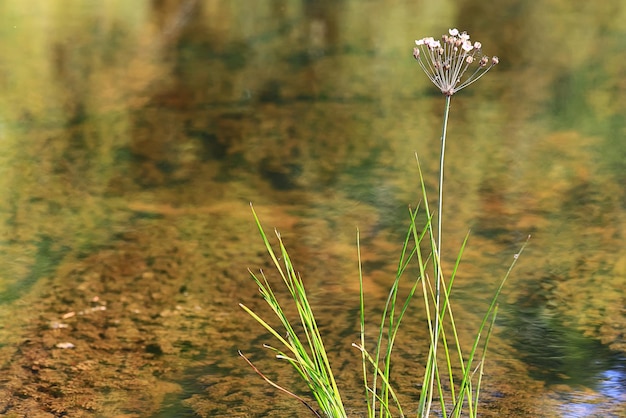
{"x":133,"y":138}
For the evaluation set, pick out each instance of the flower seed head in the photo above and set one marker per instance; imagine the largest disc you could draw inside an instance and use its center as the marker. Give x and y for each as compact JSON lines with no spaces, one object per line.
{"x":446,"y":62}
{"x":467,"y":46}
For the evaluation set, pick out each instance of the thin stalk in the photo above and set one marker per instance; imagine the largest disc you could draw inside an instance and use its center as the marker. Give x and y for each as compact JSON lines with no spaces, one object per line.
{"x":371,"y":405}
{"x":282,"y":389}
{"x":482,"y":361}
{"x":438,"y":272}
{"x":389,"y":324}
{"x":442,"y":154}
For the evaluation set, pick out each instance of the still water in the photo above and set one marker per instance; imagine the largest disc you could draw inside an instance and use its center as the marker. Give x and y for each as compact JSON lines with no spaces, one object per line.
{"x":134,"y":135}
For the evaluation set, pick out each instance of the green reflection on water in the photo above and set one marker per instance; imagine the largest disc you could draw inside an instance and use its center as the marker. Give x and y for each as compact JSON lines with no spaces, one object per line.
{"x":46,"y":258}
{"x":557,"y":353}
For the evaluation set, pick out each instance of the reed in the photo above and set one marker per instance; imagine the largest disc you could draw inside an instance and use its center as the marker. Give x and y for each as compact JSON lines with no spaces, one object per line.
{"x":303,"y":350}
{"x":446,"y":63}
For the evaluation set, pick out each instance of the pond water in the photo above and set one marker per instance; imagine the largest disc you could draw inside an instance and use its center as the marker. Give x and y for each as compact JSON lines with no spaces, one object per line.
{"x":134,"y":135}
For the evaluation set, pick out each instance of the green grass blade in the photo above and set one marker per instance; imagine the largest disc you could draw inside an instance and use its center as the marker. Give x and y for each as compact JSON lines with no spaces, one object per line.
{"x":385,"y":380}
{"x":370,"y":405}
{"x":482,"y":360}
{"x":306,"y":350}
{"x":490,"y":310}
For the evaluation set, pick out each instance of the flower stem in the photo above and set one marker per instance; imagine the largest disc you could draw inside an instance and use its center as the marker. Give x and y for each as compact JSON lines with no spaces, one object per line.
{"x":437,"y":261}
{"x":440,"y":201}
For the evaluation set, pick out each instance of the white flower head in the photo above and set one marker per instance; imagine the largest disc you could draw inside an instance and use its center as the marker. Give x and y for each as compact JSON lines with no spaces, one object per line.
{"x":434,"y":45}
{"x":467,"y":46}
{"x":446,"y":62}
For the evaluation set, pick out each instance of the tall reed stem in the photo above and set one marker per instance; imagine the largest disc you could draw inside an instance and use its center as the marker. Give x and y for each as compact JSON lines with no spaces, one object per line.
{"x":444,"y":130}
{"x":437,"y":263}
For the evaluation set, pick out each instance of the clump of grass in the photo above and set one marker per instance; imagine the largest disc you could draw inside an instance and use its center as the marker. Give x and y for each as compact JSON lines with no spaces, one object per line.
{"x":446,"y":63}
{"x":304,"y":351}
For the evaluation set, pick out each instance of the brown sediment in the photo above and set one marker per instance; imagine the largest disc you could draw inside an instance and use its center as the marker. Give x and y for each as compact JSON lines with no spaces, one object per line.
{"x":110,"y":334}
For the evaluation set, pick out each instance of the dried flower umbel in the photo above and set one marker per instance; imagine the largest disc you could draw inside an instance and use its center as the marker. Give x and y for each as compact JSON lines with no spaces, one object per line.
{"x":446,"y":62}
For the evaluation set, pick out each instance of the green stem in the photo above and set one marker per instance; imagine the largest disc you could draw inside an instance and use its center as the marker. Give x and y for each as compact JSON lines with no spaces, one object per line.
{"x":437,"y":261}
{"x":440,"y":202}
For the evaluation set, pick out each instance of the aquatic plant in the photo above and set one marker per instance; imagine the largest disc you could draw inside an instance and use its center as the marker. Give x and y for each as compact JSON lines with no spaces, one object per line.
{"x":305,"y":353}
{"x":446,"y":63}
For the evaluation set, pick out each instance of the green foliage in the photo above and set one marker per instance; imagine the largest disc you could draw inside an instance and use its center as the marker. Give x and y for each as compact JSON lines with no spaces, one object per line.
{"x":305,"y":350}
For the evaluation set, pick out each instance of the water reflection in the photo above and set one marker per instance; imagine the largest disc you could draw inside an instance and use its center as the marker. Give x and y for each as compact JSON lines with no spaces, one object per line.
{"x":134,"y":137}
{"x":610,"y":386}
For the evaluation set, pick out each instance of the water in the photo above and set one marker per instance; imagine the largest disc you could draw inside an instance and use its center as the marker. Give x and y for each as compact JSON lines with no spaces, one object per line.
{"x":134,"y":137}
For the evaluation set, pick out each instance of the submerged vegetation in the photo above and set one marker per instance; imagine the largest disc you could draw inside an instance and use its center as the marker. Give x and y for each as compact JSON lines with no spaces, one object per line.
{"x":452,"y":374}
